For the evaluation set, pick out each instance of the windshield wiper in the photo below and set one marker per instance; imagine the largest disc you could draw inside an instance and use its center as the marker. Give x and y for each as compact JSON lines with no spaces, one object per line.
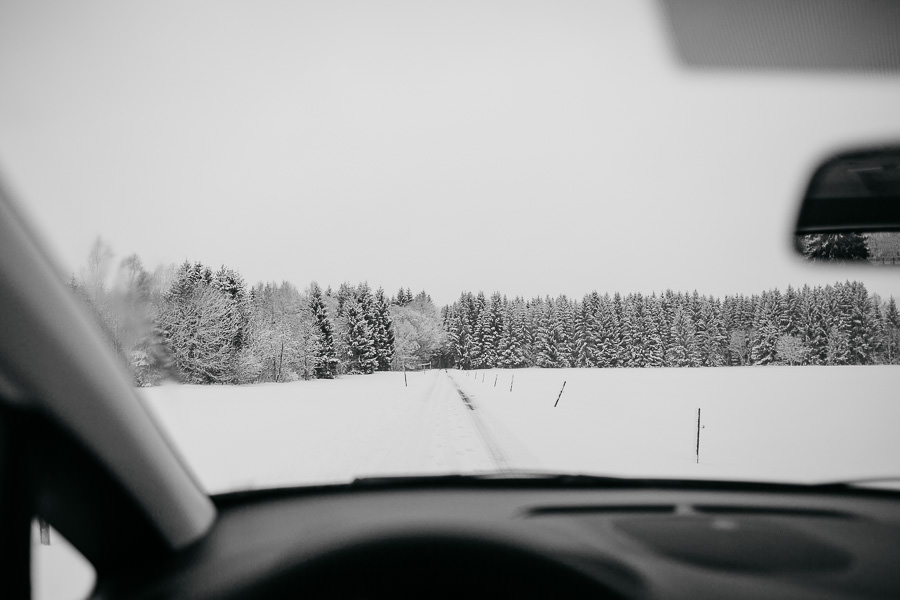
{"x":880,"y":486}
{"x":498,"y":479}
{"x":888,"y":482}
{"x":527,"y":479}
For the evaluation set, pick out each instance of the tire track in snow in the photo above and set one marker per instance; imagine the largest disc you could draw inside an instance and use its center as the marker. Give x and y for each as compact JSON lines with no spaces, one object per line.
{"x":494,"y":450}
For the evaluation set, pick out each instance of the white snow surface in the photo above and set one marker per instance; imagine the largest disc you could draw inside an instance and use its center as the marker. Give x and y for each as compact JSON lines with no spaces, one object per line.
{"x":802,"y":424}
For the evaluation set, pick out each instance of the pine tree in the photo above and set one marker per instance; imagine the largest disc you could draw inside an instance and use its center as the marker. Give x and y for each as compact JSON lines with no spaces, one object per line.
{"x":564,"y":329}
{"x":633,"y":331}
{"x":839,"y":315}
{"x":683,"y":351}
{"x":513,"y":339}
{"x":712,"y":337}
{"x":545,"y":340}
{"x":892,"y":332}
{"x":610,"y":343}
{"x":584,"y":352}
{"x":361,"y":353}
{"x":325,"y":359}
{"x":861,"y":335}
{"x":838,"y":347}
{"x":835,"y":246}
{"x":488,"y":331}
{"x":384,"y":331}
{"x":790,"y":314}
{"x":478,"y":321}
{"x":766,"y":331}
{"x":654,"y":349}
{"x":344,"y":295}
{"x":231,"y":285}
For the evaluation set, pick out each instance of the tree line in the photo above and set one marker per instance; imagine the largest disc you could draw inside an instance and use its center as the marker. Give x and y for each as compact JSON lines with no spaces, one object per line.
{"x":198,"y":325}
{"x":840,"y":324}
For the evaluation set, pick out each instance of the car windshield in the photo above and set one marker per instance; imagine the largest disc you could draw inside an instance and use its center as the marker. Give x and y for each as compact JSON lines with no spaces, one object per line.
{"x":333,"y":240}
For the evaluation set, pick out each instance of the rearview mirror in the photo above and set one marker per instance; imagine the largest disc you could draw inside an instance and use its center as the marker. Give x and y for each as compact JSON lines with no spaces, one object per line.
{"x":851,"y":209}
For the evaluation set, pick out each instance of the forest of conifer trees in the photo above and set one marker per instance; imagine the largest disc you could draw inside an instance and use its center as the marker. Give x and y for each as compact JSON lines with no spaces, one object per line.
{"x":838,"y":324}
{"x":197,"y":325}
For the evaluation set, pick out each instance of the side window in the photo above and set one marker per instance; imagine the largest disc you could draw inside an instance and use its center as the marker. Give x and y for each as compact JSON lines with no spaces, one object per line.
{"x":58,"y":570}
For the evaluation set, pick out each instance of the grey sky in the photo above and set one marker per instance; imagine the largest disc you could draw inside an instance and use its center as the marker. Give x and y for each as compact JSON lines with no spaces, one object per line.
{"x":527,"y":147}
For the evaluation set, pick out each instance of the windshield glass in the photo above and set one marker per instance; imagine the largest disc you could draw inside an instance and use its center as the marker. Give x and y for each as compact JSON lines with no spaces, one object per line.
{"x":332,"y":240}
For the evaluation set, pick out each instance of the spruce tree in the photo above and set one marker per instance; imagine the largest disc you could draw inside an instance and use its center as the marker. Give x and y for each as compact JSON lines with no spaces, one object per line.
{"x":654,"y":349}
{"x":892,"y":331}
{"x":384,"y":331}
{"x":765,"y":333}
{"x":835,"y":246}
{"x":361,"y":354}
{"x":684,"y":351}
{"x":545,"y":341}
{"x":861,"y":325}
{"x":477,"y":322}
{"x":325,"y":358}
{"x":584,"y":356}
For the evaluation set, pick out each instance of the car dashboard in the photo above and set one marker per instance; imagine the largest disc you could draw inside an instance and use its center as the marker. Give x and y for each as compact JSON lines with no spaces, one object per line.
{"x":433,"y":541}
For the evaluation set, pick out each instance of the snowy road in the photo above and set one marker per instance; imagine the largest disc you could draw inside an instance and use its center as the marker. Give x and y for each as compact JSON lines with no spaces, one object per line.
{"x":483,"y":429}
{"x":439,"y":431}
{"x":321,"y":432}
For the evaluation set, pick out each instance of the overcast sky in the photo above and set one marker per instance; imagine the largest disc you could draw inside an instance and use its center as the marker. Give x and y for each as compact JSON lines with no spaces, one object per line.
{"x":527,"y":147}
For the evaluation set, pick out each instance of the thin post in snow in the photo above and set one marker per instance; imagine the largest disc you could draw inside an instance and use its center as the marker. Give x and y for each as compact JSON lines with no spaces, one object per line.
{"x":698,"y":436}
{"x":560,"y":394}
{"x":495,"y":379}
{"x":511,"y":381}
{"x":482,"y":377}
{"x":404,"y":379}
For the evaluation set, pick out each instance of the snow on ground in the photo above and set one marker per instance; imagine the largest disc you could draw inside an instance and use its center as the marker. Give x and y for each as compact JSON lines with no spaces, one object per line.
{"x":307,"y":432}
{"x":771,"y":423}
{"x":800,"y":424}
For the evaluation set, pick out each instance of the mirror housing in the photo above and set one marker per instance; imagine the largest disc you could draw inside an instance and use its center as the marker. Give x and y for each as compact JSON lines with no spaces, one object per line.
{"x":851,"y":208}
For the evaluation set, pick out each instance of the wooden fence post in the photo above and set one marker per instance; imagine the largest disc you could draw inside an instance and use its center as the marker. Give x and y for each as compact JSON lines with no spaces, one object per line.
{"x":698,"y":436}
{"x":560,"y":394}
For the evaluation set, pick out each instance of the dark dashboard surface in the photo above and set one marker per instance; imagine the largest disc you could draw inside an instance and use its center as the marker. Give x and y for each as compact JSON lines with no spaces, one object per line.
{"x":642,"y":543}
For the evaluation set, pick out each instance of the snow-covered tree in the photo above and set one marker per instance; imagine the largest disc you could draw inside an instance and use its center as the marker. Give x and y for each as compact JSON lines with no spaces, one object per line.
{"x":684,"y":351}
{"x":419,"y":335}
{"x":199,"y":326}
{"x":834,"y":246}
{"x":325,"y":358}
{"x":361,"y":354}
{"x":790,"y":349}
{"x":383,"y":331}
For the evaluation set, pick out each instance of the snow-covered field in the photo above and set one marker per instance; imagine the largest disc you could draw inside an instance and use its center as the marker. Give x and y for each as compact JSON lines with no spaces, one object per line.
{"x":772,"y":423}
{"x":802,"y":424}
{"x":768,"y":423}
